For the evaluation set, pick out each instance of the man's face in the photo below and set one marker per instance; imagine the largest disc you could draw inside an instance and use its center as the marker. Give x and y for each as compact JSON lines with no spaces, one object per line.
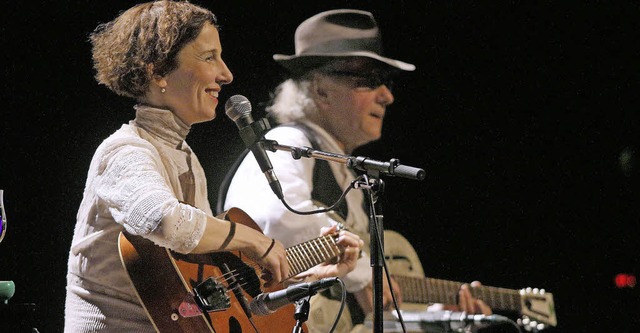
{"x":354,"y":96}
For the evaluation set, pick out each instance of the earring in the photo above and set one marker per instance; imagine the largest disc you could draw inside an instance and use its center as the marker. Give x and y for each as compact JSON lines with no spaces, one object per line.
{"x":163,"y":90}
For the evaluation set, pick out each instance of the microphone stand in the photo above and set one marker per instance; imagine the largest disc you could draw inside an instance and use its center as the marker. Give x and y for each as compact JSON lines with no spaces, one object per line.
{"x":302,"y":313}
{"x":373,"y":187}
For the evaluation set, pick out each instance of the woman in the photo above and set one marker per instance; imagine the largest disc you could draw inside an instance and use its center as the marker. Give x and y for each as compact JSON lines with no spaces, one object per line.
{"x":144,"y":179}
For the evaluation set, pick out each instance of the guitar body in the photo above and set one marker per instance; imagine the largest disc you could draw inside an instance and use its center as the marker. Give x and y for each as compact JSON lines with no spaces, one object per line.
{"x":400,"y":256}
{"x":164,"y":281}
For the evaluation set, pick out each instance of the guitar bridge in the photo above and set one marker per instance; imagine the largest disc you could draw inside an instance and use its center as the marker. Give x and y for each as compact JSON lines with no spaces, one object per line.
{"x":209,"y":296}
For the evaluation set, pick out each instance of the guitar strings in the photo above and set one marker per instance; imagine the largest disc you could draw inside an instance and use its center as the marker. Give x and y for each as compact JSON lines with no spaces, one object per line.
{"x":240,"y":277}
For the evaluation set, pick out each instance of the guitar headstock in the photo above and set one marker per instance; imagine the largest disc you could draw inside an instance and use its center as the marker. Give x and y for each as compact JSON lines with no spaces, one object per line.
{"x":538,"y":309}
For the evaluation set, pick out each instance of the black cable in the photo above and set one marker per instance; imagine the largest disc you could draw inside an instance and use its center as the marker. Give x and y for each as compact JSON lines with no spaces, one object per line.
{"x":342,"y":303}
{"x":324,"y":210}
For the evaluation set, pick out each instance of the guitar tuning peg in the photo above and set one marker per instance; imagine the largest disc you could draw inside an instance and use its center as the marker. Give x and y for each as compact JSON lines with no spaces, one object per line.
{"x":530,"y":325}
{"x":536,"y":327}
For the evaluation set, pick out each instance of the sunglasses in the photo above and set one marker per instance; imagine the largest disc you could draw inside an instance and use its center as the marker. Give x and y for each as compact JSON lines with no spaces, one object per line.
{"x":369,"y":80}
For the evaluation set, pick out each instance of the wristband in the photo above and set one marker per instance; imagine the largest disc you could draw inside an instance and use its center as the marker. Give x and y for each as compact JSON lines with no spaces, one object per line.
{"x":273,"y":242}
{"x":232,"y":232}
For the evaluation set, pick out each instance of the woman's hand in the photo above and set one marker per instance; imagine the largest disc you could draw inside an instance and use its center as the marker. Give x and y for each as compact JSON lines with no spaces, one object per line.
{"x":350,"y":244}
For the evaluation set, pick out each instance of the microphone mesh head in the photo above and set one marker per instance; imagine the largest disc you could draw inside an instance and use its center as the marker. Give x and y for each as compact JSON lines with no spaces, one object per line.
{"x":237,"y":106}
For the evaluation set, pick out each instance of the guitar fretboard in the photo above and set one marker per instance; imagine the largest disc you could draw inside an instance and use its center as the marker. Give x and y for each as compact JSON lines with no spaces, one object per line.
{"x":429,"y":290}
{"x":305,"y":255}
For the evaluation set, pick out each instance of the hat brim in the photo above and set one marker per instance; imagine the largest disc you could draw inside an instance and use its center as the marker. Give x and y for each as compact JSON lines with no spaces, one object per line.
{"x":300,"y":64}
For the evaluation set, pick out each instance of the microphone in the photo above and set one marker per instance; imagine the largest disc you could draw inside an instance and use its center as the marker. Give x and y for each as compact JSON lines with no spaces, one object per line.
{"x":238,"y":108}
{"x":450,"y":321}
{"x":267,"y":303}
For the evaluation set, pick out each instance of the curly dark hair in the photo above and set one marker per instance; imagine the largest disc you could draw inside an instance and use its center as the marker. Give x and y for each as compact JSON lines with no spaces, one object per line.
{"x":148,"y":33}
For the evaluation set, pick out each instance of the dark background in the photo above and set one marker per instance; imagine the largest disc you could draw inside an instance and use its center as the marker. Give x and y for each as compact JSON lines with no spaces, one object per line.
{"x":519,"y":113}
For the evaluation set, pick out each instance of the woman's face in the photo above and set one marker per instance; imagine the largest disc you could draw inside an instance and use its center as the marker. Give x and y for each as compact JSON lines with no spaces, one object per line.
{"x":191,"y":90}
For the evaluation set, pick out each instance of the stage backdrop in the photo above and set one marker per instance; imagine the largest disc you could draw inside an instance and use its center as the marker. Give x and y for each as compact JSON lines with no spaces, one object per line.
{"x":524,"y":116}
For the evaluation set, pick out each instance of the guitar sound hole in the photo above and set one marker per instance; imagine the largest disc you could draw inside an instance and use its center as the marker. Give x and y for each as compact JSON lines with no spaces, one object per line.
{"x":252,"y":283}
{"x":234,"y":325}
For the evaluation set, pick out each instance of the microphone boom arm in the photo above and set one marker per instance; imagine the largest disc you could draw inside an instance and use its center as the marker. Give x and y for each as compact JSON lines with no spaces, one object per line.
{"x":361,"y":163}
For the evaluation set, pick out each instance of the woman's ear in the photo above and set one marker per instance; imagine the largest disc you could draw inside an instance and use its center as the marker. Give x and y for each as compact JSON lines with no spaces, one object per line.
{"x":156,"y":79}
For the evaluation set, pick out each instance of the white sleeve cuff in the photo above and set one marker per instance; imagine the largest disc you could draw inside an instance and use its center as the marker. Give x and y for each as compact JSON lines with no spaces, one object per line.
{"x":181,"y":228}
{"x":360,"y":277}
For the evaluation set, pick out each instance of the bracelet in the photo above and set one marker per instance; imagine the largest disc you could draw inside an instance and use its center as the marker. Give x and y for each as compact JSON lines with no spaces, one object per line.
{"x":232,"y":232}
{"x":273,"y":242}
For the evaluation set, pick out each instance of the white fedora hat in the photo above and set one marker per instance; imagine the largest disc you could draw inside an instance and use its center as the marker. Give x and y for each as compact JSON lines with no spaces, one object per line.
{"x":335,"y":34}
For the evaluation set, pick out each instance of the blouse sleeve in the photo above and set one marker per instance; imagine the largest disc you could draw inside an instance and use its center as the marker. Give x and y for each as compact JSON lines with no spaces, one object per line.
{"x":131,"y":182}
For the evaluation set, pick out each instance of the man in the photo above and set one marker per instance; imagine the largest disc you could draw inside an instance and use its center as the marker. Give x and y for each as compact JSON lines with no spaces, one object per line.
{"x":334,"y":101}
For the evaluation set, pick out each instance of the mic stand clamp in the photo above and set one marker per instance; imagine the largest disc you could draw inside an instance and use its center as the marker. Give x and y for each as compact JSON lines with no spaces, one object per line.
{"x":302,"y":313}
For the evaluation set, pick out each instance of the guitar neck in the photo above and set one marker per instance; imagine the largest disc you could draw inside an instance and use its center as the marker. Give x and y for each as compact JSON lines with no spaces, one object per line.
{"x":429,"y":290}
{"x":305,"y":255}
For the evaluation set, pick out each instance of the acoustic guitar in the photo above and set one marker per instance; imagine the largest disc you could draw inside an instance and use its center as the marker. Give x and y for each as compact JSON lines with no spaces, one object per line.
{"x":212,"y":292}
{"x":534,"y":305}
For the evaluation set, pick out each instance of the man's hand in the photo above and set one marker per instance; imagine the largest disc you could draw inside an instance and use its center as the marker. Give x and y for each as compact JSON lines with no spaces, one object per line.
{"x":365,"y":296}
{"x":467,"y":303}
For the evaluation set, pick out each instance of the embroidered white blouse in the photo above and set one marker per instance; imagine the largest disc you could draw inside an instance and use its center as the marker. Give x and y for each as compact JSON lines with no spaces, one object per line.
{"x":133,"y":184}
